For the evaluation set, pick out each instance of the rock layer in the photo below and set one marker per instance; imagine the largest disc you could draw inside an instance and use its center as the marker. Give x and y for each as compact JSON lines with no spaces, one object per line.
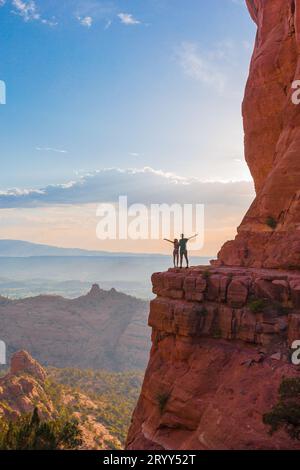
{"x":269,"y":235}
{"x":220,"y":349}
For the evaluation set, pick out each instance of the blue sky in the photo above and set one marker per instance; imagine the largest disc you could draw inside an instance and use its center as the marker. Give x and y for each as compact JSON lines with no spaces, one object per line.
{"x":95,"y":84}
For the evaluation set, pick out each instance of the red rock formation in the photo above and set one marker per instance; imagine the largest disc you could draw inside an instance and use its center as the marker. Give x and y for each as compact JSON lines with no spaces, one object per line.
{"x":22,"y":362}
{"x":25,"y":387}
{"x":269,"y":235}
{"x":220,"y":351}
{"x":221,"y":337}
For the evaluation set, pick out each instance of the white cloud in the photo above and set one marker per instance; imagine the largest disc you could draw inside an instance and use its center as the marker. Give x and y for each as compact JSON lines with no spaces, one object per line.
{"x":223,"y":66}
{"x":86,"y":21}
{"x":200,"y":67}
{"x":68,"y":211}
{"x":93,"y":11}
{"x":52,"y":22}
{"x":108,"y":24}
{"x":50,"y":149}
{"x":2,"y":2}
{"x":144,"y":185}
{"x":128,"y":19}
{"x":28,"y":10}
{"x":134,"y":154}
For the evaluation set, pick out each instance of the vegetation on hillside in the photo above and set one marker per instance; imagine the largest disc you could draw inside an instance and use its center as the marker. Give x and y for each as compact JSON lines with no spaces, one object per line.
{"x":286,"y":413}
{"x":115,"y":395}
{"x":29,"y":432}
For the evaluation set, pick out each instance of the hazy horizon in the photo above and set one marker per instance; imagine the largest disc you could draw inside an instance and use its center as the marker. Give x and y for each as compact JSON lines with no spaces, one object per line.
{"x":73,"y":249}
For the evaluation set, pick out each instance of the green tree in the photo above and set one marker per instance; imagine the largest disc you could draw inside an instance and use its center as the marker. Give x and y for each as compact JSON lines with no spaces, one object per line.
{"x":29,"y":432}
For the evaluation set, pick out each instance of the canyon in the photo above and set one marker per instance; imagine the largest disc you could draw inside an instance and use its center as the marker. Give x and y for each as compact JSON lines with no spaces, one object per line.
{"x":222,"y":334}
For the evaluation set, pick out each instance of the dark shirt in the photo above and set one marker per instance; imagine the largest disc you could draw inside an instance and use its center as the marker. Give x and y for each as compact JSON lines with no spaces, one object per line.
{"x":183,"y":243}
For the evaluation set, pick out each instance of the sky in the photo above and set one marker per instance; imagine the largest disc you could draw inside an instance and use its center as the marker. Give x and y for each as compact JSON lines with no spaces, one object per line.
{"x":106,"y":96}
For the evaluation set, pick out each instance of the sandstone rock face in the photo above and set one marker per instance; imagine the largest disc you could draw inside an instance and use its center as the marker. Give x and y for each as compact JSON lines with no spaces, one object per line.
{"x":221,"y":338}
{"x":220,"y":348}
{"x":269,"y":235}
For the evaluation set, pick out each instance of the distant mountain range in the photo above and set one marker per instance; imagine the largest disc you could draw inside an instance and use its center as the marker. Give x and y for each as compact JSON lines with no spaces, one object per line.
{"x":23,"y":249}
{"x":100,"y":330}
{"x":29,"y":269}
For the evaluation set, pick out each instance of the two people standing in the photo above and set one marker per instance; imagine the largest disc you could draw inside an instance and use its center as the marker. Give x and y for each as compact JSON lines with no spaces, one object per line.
{"x":180,"y":250}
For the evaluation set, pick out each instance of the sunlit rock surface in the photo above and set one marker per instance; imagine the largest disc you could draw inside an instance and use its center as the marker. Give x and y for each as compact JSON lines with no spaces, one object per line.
{"x":269,"y":235}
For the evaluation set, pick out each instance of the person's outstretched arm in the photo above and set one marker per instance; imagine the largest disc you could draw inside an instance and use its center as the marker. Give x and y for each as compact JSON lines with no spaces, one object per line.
{"x":170,"y":241}
{"x":194,"y":236}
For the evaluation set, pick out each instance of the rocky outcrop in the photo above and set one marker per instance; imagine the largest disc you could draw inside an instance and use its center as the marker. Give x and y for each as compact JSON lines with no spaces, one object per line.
{"x":22,"y":362}
{"x":220,"y":348}
{"x":260,"y":307}
{"x":23,"y":387}
{"x":269,"y":235}
{"x":27,"y":386}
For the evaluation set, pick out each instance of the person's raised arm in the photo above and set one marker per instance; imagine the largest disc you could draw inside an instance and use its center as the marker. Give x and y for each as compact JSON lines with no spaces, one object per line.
{"x":194,"y":236}
{"x":170,"y":241}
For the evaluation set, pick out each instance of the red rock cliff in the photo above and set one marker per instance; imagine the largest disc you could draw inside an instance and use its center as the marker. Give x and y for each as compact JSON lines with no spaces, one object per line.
{"x":221,"y":338}
{"x":217,"y":360}
{"x":272,"y":142}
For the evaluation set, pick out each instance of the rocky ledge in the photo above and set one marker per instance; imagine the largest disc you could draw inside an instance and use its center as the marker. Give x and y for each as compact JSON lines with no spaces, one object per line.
{"x":221,"y":348}
{"x":257,"y":306}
